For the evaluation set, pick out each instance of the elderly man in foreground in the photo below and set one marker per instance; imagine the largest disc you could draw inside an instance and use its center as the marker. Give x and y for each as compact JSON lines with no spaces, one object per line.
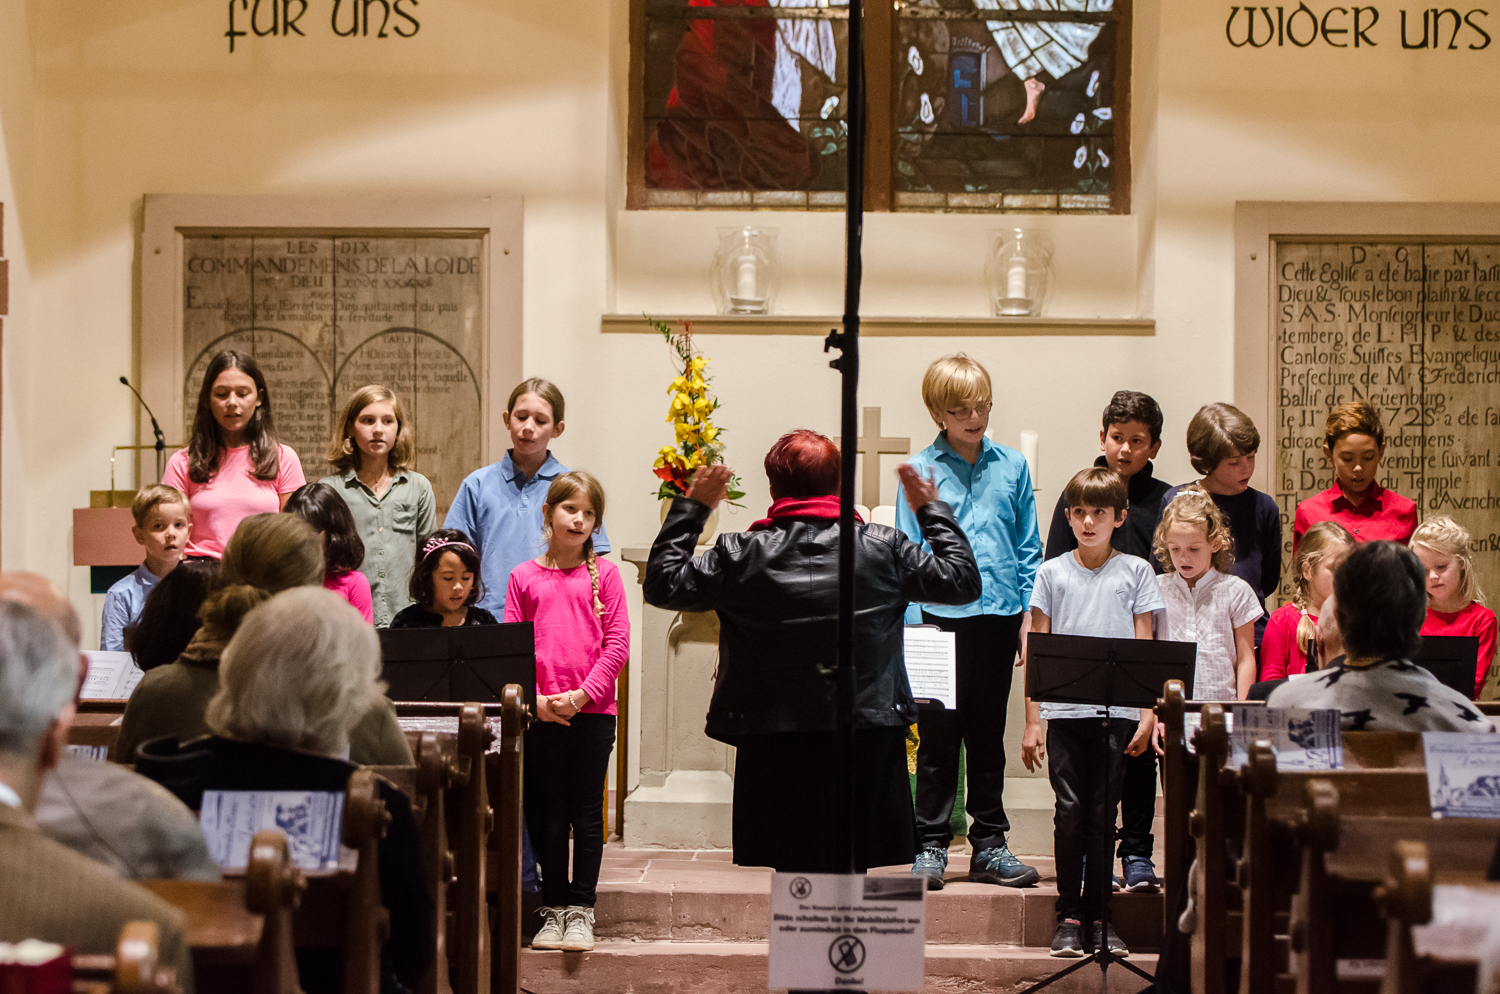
{"x":47,"y":891}
{"x":775,"y":588}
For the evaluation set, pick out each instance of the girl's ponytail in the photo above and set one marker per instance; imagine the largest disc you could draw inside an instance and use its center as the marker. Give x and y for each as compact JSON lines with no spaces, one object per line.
{"x":592,"y":561}
{"x":1320,"y":541}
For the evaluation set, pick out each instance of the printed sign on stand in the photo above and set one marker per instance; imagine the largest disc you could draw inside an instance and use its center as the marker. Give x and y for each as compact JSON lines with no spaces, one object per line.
{"x":834,"y":930}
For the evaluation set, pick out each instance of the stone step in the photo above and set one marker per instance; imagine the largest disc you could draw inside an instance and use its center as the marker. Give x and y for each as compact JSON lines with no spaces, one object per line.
{"x":659,"y":967}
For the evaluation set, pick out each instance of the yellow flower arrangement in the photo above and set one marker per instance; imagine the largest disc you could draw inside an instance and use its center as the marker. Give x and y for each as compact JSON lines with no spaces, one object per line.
{"x":698,"y":439}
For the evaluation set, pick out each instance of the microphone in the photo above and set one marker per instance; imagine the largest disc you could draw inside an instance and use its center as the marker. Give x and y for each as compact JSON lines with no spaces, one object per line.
{"x":161,"y":440}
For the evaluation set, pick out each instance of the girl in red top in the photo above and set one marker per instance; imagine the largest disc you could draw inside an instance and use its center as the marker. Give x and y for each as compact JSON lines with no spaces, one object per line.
{"x":1455,"y":604}
{"x":1293,"y":627}
{"x":1354,"y":442}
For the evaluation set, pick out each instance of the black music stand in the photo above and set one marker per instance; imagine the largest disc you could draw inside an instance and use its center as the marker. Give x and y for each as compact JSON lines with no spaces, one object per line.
{"x":1100,"y":672}
{"x":469,"y":663}
{"x":1453,"y":659}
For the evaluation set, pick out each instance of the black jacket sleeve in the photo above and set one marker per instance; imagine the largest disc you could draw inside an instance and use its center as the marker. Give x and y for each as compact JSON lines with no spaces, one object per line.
{"x":947,"y":575}
{"x":675,"y":580}
{"x":1060,"y":537}
{"x":1270,"y":550}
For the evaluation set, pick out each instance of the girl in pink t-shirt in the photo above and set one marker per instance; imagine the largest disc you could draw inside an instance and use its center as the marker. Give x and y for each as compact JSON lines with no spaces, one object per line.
{"x":233,"y":466}
{"x":343,"y":550}
{"x":1455,"y":604}
{"x":577,"y":604}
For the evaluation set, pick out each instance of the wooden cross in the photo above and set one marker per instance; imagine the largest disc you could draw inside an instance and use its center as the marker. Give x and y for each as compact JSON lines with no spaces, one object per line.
{"x":872,"y":445}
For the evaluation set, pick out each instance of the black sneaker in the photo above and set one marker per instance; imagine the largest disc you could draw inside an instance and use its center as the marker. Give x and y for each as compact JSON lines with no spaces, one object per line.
{"x":997,"y":865}
{"x":1068,"y":939}
{"x":1115,"y":945}
{"x":931,"y":862}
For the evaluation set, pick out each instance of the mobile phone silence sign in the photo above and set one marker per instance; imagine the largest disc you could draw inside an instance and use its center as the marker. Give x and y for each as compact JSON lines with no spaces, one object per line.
{"x":832,"y":930}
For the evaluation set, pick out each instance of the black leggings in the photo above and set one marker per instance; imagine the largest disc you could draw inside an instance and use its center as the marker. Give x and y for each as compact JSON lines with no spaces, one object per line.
{"x":566,"y":766}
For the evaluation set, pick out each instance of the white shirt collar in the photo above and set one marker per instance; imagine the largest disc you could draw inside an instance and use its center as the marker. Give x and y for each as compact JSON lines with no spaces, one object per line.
{"x":9,"y":798}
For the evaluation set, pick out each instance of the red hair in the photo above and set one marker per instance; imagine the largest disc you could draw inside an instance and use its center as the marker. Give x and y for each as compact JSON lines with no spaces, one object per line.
{"x":803,"y":464}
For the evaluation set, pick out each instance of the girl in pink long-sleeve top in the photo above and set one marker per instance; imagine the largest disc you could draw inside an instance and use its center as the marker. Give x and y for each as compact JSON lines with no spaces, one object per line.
{"x":577,"y":604}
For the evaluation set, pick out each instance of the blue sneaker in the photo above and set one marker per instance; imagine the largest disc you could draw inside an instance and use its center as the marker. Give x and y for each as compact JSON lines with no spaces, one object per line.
{"x":930,"y":863}
{"x":1140,"y":874}
{"x":996,"y":865}
{"x":1115,"y":883}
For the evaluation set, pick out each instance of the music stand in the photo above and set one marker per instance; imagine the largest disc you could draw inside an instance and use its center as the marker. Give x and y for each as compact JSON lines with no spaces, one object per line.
{"x":1453,"y":659}
{"x":1102,"y":672}
{"x":468,"y":663}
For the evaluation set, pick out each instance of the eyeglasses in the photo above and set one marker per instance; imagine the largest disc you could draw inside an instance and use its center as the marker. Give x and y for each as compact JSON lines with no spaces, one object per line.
{"x":969,"y":413}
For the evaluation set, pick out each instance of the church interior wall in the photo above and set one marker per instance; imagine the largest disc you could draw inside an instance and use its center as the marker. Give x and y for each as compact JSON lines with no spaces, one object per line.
{"x":103,"y":103}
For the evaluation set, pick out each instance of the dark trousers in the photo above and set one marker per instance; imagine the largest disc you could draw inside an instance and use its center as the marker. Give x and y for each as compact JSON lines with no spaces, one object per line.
{"x":1138,"y":804}
{"x":1088,"y":790}
{"x":565,"y":773}
{"x":986,"y":645}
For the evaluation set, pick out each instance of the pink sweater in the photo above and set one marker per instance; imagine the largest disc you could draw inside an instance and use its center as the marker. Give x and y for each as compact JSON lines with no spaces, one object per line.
{"x":575,"y":648}
{"x":231,"y":495}
{"x":353,"y":587}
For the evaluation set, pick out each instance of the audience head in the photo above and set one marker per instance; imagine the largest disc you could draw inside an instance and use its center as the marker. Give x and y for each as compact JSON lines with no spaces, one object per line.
{"x":1381,"y":598}
{"x":802,"y":464}
{"x":42,"y":596}
{"x":1442,"y":545}
{"x":39,"y":671}
{"x":1354,"y":441}
{"x":1131,"y":435}
{"x":302,"y":670}
{"x":958,"y":395}
{"x":321,"y":506}
{"x":234,"y":409}
{"x":446,"y":576}
{"x":1330,"y":639}
{"x":1193,"y":536}
{"x":534,"y":416}
{"x":1322,"y":548}
{"x":1222,"y":442}
{"x":267,"y":553}
{"x":170,"y":618}
{"x":163,"y":518}
{"x":372,"y":425}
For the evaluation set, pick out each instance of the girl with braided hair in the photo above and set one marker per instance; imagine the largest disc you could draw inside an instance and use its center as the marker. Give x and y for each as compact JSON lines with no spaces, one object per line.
{"x":577,"y":604}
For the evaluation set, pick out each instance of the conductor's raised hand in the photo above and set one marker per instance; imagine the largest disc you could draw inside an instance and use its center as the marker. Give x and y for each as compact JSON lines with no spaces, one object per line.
{"x":709,"y":485}
{"x":919,"y":490}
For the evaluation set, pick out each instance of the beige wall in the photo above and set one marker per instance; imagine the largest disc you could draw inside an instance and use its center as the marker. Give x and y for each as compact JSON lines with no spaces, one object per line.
{"x":102,"y":103}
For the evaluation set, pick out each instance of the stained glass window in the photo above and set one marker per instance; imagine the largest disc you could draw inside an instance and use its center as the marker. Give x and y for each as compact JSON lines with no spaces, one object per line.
{"x":983,"y":105}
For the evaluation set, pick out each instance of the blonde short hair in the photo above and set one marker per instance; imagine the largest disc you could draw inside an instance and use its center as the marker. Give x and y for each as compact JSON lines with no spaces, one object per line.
{"x":952,"y":380}
{"x":1447,"y":537}
{"x":148,"y":499}
{"x":301,"y":672}
{"x":403,"y":448}
{"x":1193,"y":506}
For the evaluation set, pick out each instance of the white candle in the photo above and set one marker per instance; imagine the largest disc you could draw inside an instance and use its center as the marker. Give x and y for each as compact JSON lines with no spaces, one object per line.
{"x":746,"y":282}
{"x":1015,"y":278}
{"x":1028,"y":450}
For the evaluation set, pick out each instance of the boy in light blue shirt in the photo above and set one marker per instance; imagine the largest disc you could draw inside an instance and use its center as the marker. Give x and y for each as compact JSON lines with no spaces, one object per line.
{"x":162,"y":520}
{"x":989,"y":488}
{"x":1099,"y":591}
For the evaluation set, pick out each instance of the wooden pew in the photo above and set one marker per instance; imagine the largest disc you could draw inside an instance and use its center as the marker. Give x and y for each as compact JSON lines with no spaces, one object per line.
{"x":240,"y":929}
{"x":504,"y":775}
{"x":1447,"y":962}
{"x":135,"y":968}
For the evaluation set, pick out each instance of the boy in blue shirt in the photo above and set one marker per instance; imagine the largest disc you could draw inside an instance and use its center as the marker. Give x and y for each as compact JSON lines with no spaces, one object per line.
{"x":989,"y":488}
{"x":162,"y":520}
{"x":1099,"y":591}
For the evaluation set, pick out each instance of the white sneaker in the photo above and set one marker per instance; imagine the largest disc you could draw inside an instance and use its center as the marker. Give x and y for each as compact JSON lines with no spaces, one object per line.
{"x":550,"y":935}
{"x":578,"y":929}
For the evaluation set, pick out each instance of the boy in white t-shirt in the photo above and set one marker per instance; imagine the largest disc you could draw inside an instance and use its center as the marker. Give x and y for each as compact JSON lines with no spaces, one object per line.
{"x":1094,"y":590}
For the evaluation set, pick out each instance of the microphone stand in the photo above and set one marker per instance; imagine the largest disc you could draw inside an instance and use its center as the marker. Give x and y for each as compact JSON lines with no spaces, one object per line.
{"x":161,"y":439}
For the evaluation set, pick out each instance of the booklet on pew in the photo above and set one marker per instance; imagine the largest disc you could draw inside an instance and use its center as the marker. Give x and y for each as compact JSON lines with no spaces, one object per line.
{"x":312,"y":821}
{"x":1304,"y":739}
{"x":1463,"y":774}
{"x":931,"y":664}
{"x":112,"y":676}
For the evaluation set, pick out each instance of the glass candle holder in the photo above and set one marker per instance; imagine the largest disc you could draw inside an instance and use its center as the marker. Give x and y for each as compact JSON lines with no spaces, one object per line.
{"x":1019,"y":272}
{"x":746,"y":272}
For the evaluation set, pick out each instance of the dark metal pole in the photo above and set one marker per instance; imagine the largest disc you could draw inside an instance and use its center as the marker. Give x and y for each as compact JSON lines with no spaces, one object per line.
{"x":849,"y":426}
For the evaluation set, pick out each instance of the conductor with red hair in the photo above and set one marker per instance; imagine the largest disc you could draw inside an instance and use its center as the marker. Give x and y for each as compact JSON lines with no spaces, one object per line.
{"x":775,"y":588}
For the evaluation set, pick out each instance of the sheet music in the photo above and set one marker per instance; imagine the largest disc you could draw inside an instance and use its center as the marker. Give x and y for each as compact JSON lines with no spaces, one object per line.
{"x":312,"y":821}
{"x":1463,"y":774}
{"x":95,"y":753}
{"x":931,"y":663}
{"x":112,"y":676}
{"x":1304,"y":739}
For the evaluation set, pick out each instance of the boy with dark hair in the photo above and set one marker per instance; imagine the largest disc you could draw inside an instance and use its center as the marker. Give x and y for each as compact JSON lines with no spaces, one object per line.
{"x":1130,"y":439}
{"x":1098,"y":591}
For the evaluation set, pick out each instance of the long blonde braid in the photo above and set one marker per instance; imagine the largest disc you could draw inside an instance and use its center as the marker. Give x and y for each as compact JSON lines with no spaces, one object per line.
{"x":592,"y":561}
